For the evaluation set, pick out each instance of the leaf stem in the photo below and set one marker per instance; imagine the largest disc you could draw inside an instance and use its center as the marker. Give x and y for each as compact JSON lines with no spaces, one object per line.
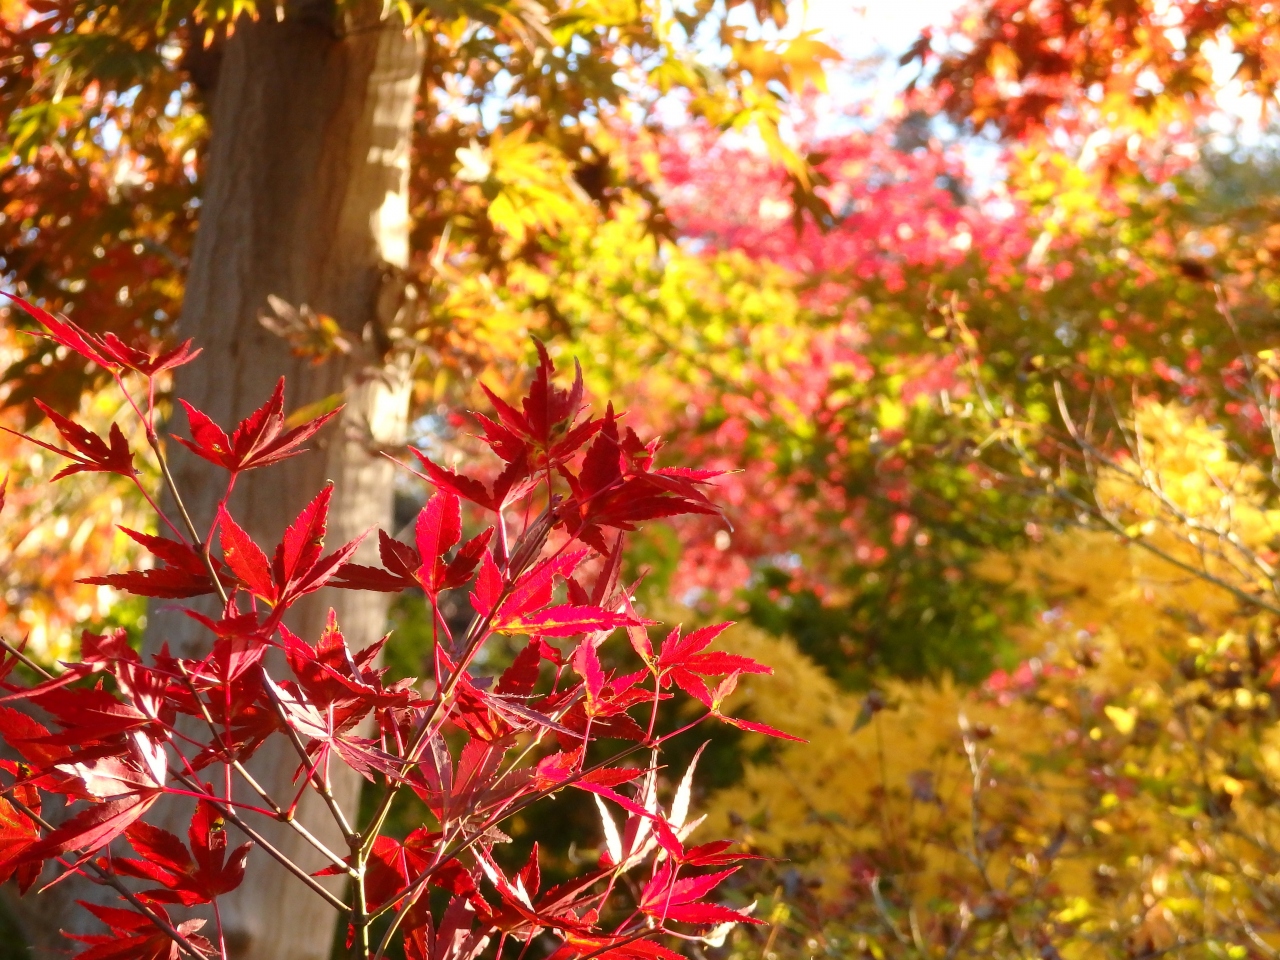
{"x":320,"y":784}
{"x":153,"y":440}
{"x":25,"y":660}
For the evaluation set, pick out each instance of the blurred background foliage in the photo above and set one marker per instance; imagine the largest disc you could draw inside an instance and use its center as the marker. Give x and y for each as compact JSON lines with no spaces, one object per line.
{"x":989,"y":364}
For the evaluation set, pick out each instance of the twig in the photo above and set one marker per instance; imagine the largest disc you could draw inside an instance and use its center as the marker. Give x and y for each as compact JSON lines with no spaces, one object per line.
{"x":1119,"y":528}
{"x":882,"y":909}
{"x":229,"y":813}
{"x":1252,"y":934}
{"x":284,"y":816}
{"x":977,"y":768}
{"x":25,"y":660}
{"x":154,"y":441}
{"x":773,"y":930}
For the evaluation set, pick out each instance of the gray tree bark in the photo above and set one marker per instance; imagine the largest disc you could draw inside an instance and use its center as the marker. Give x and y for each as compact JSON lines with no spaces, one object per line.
{"x":305,"y":198}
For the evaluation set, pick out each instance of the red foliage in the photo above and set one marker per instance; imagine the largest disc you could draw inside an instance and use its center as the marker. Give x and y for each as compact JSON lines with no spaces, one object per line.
{"x":1025,"y":66}
{"x":888,"y":210}
{"x":896,"y":222}
{"x":111,"y":751}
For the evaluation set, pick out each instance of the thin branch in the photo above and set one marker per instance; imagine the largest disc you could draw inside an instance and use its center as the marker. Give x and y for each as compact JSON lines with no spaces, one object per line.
{"x":882,"y":909}
{"x":229,"y":813}
{"x":25,"y":660}
{"x":154,"y":441}
{"x":1252,"y":934}
{"x":282,"y":815}
{"x":1098,"y":511}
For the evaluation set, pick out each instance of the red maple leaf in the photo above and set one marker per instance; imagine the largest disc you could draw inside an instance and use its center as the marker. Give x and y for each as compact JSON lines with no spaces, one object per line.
{"x":335,"y":679}
{"x":667,"y":898}
{"x":185,"y":876}
{"x":516,"y":480}
{"x":617,"y":487}
{"x":404,"y":569}
{"x":133,"y":936}
{"x":108,"y":350}
{"x":183,"y":575}
{"x":545,"y":431}
{"x":260,"y":439}
{"x":528,"y":595}
{"x":88,"y":452}
{"x":682,"y":660}
{"x":17,"y":834}
{"x":297,"y":567}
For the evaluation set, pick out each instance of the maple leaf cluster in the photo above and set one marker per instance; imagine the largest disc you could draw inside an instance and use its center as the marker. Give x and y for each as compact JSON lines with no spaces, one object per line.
{"x":474,"y":749}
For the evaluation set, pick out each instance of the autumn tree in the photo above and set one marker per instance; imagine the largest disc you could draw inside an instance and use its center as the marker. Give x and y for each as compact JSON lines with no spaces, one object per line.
{"x":828,"y":365}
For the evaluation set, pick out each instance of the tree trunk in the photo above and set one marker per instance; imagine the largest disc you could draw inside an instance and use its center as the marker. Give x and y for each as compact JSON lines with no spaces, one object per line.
{"x":305,"y":198}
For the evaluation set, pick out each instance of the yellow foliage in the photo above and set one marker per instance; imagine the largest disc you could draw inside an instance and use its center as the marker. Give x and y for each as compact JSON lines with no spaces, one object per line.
{"x":55,"y":533}
{"x":1114,"y":795}
{"x":528,"y":184}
